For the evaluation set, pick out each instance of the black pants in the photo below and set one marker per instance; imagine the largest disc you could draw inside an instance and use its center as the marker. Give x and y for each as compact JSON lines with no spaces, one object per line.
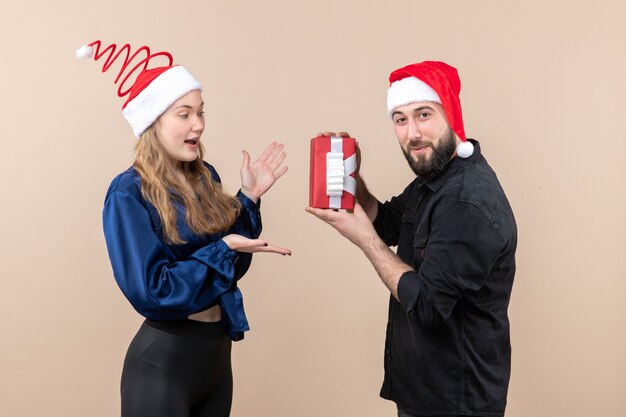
{"x":178,"y":369}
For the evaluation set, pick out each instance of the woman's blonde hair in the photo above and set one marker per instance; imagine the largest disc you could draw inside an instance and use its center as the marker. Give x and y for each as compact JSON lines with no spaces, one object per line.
{"x":209,"y":209}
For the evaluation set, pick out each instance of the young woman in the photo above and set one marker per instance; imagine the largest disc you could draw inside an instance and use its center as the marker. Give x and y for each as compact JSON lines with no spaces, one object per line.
{"x":178,"y":245}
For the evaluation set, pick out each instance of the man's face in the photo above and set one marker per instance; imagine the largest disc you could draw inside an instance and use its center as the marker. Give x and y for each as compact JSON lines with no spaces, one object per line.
{"x":426,"y":139}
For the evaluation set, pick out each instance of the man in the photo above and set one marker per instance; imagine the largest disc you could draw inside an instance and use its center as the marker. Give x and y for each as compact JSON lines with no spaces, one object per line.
{"x":447,"y":350}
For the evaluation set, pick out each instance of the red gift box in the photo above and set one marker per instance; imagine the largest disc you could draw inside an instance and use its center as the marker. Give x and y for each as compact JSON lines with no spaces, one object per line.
{"x":332,"y":180}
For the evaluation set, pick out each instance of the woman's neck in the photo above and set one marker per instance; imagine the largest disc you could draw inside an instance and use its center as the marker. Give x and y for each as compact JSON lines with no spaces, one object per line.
{"x":179,"y":174}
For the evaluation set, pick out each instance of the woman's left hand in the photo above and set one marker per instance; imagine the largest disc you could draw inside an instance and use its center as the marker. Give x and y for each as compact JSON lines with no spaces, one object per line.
{"x":259,"y":177}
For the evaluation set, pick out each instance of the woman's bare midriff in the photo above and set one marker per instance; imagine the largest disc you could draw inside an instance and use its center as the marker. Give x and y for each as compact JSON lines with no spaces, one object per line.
{"x":210,"y":315}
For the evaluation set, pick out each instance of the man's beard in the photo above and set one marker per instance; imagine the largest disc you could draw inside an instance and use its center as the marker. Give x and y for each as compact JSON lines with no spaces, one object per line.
{"x":427,"y":169}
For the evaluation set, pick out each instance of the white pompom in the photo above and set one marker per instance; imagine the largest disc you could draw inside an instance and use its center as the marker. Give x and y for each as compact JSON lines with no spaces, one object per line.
{"x":84,"y":52}
{"x":465,"y":149}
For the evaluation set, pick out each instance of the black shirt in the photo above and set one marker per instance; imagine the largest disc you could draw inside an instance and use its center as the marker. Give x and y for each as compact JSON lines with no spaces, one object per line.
{"x":447,"y":350}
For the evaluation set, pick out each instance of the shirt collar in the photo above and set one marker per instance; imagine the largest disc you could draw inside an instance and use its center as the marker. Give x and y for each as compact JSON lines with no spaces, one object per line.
{"x":455,"y":165}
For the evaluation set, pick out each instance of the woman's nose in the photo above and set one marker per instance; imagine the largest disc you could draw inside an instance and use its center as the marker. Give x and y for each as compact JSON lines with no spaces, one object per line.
{"x":198,"y":124}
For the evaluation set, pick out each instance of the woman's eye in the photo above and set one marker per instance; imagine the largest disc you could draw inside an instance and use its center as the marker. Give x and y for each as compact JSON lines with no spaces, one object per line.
{"x":201,"y":113}
{"x":184,"y":115}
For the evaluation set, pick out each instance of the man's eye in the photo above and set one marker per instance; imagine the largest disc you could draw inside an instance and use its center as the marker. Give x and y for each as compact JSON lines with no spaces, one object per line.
{"x":201,"y":113}
{"x":424,"y":115}
{"x":400,"y":120}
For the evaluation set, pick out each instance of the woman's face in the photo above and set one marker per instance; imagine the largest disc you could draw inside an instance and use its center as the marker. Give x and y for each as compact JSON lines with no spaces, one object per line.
{"x":180,"y":127}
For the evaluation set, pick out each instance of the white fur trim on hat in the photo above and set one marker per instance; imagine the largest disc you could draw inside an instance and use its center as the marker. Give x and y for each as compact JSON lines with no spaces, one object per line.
{"x":158,"y":96}
{"x":409,"y":90}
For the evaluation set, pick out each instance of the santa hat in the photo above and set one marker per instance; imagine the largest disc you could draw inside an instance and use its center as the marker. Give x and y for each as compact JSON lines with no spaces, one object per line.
{"x":430,"y":81}
{"x":153,"y":91}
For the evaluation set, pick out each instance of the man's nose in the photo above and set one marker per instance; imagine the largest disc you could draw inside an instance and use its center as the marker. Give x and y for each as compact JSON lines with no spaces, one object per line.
{"x":414,"y":130}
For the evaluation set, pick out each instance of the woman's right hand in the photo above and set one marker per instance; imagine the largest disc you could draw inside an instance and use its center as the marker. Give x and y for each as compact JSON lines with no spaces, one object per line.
{"x":240,"y":243}
{"x":260,"y":176}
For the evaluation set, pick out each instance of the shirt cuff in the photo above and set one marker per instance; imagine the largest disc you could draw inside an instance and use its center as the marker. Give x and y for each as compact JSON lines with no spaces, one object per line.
{"x":224,"y":249}
{"x":247,"y":202}
{"x":408,"y":290}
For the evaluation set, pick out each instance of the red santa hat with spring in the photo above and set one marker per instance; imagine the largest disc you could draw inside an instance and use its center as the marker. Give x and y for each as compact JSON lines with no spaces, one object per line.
{"x":431,"y":81}
{"x":154,"y":89}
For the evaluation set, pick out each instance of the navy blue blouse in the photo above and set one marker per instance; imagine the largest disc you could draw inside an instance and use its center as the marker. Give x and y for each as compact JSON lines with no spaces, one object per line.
{"x":170,"y":282}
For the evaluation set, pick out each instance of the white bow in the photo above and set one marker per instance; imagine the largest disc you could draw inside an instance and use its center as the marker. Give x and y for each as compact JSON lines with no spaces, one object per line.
{"x":338,"y":171}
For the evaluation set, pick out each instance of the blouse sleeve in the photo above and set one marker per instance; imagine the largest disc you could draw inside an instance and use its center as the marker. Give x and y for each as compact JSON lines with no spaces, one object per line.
{"x":248,"y":223}
{"x":157,"y":286}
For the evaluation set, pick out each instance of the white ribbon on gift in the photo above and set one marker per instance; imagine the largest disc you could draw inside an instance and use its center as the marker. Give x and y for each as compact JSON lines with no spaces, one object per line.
{"x":338,"y":171}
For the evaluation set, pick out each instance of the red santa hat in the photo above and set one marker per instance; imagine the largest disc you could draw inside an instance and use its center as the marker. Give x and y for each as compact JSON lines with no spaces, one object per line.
{"x":153,"y":91}
{"x":430,"y":81}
